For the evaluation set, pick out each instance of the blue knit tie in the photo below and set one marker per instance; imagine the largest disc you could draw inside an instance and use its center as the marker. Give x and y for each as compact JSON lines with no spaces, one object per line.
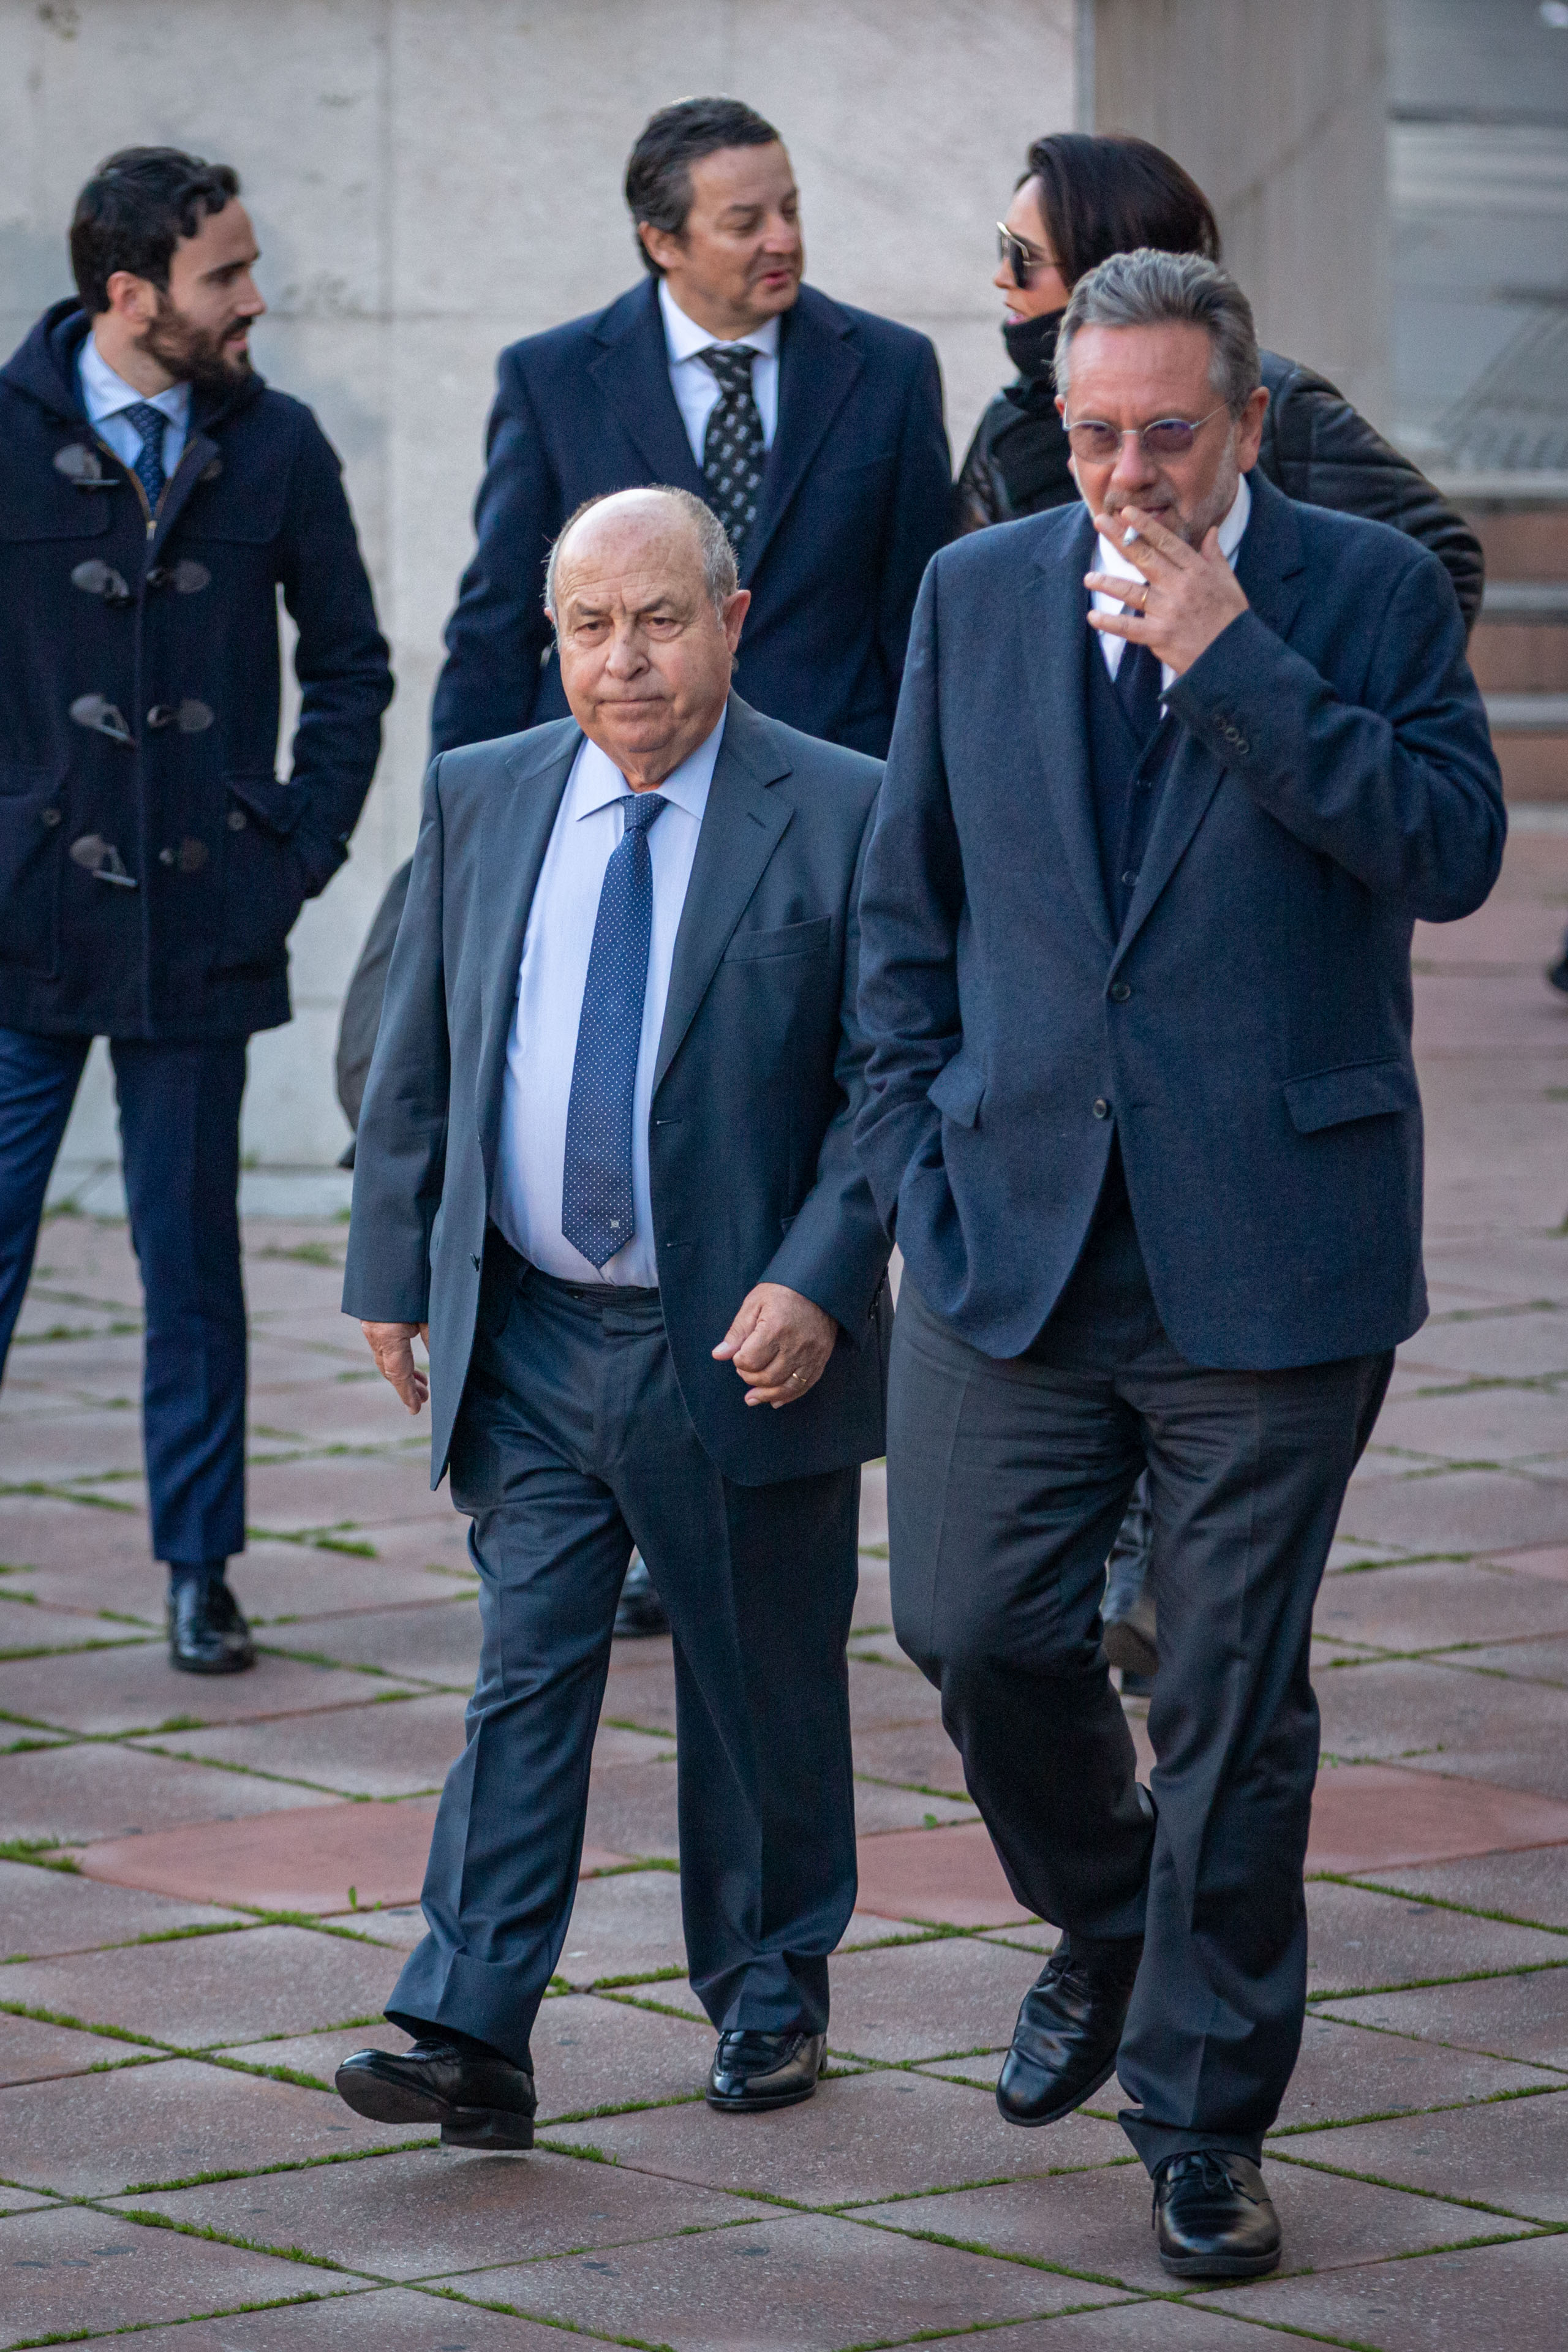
{"x":152,"y":424}
{"x":597,"y":1215}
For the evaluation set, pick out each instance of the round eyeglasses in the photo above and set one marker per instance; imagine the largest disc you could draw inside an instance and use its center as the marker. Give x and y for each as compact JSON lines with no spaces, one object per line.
{"x":1167,"y":437}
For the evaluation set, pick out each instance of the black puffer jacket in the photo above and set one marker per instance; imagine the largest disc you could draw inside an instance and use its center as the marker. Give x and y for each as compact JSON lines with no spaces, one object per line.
{"x":1316,"y":447}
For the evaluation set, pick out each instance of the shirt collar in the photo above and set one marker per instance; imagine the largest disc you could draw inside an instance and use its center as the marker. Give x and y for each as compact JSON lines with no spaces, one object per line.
{"x":1112,"y":559}
{"x":686,"y":341}
{"x":104,"y":392}
{"x":597,"y":782}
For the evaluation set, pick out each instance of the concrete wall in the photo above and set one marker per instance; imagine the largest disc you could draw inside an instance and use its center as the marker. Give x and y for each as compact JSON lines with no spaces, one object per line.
{"x":1280,"y":114}
{"x":431,"y":178}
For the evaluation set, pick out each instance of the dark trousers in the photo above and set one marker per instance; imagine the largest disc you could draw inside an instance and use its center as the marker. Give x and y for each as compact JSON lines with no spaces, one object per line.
{"x":1007,"y":1483}
{"x":572,"y":1444}
{"x":179,"y":1132}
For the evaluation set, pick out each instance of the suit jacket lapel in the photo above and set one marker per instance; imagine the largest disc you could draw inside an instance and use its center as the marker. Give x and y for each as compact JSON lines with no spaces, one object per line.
{"x":518,"y":822}
{"x":742,"y":826}
{"x":818,"y":365}
{"x":1052,"y":616}
{"x":632,"y":371}
{"x":1269,"y":568}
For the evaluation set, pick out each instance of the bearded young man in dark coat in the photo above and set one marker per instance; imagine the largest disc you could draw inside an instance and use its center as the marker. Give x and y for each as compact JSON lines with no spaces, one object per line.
{"x":154,"y":497}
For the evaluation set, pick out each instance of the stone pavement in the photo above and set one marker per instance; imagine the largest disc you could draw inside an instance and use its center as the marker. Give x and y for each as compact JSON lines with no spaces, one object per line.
{"x":209,"y":1884}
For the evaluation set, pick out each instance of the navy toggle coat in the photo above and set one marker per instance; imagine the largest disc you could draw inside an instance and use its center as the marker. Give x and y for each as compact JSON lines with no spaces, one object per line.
{"x":152,"y":863}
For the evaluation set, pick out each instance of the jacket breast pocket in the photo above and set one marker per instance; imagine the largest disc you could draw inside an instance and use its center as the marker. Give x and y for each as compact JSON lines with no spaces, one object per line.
{"x":1356,"y":1090}
{"x":958,"y":1090}
{"x":263,"y":880}
{"x":794,"y":939}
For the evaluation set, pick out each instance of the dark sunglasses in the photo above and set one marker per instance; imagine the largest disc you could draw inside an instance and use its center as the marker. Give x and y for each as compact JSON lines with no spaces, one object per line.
{"x":1022,"y":260}
{"x":1167,"y":437}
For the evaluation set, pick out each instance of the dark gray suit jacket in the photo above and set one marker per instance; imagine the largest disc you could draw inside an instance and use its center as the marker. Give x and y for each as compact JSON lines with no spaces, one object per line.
{"x":760,"y":1073}
{"x":1247,"y":1036}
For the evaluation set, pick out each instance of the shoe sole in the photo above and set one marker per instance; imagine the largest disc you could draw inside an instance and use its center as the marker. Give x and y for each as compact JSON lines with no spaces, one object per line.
{"x":1219,"y":2266}
{"x":1034,"y":2123}
{"x":1126,"y":1647}
{"x":385,"y":2102}
{"x":760,"y":2104}
{"x":228,"y":1665}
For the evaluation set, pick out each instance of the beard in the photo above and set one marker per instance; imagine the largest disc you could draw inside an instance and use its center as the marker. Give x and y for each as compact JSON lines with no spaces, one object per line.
{"x":193,"y":355}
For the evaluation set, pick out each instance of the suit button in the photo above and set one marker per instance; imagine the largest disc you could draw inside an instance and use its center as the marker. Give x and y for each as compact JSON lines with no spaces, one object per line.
{"x":166,"y":858}
{"x":1101,"y":1107}
{"x":1242,"y":745}
{"x":49,"y":816}
{"x":237,"y":820}
{"x":1119,"y":992}
{"x":162,"y":714}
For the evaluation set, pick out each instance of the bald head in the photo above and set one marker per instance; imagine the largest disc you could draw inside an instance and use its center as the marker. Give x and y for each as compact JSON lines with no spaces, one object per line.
{"x":641,"y":589}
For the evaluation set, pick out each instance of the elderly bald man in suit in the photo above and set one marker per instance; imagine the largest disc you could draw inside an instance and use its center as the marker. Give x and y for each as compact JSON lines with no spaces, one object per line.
{"x":605,"y":1159}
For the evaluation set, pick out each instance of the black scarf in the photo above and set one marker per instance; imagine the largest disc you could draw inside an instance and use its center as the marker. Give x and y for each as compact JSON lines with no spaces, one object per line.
{"x":1031,"y":456}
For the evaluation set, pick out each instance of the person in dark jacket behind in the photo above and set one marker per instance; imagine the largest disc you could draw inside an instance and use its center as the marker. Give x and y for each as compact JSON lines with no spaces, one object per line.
{"x":154,"y":497}
{"x":1080,"y":199}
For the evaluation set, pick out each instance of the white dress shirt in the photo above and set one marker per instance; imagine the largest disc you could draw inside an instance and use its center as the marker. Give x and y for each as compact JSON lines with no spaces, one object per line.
{"x":105,"y":396}
{"x":1111,"y":558}
{"x":696,"y":387}
{"x":543,"y":1048}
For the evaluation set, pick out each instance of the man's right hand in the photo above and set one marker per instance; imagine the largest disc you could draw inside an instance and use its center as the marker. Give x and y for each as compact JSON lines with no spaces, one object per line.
{"x":392,"y":1345}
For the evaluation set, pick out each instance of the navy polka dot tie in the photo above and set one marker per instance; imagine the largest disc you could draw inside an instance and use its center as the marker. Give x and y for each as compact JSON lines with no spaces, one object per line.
{"x":152,"y":425}
{"x":597,"y":1215}
{"x":732,"y":453}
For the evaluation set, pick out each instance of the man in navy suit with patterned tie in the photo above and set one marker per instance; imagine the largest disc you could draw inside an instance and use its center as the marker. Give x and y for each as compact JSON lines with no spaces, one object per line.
{"x":605,"y":1161}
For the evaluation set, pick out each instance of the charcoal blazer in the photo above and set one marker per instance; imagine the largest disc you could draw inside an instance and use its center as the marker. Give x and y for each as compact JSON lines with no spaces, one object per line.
{"x":1247,"y":1033}
{"x":853,"y":501}
{"x":759,"y":1074}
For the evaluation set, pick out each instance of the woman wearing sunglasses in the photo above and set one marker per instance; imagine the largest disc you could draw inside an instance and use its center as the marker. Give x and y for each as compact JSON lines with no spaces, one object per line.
{"x":1083,"y":198}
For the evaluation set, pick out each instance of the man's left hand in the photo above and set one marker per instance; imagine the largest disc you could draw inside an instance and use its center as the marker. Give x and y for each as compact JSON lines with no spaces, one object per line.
{"x":779,"y":1343}
{"x":1190,"y":594}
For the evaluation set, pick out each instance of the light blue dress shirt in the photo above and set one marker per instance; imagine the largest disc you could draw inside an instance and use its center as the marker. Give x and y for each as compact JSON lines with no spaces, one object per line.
{"x":106,"y":396}
{"x":695,"y":385}
{"x":531,"y":1162}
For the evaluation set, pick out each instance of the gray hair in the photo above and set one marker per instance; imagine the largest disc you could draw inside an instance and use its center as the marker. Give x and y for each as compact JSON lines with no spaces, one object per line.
{"x":720,"y":574}
{"x":1146,"y":289}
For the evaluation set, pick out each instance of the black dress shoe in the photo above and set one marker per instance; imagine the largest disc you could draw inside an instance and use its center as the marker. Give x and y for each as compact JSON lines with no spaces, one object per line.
{"x":640,"y":1612}
{"x":1066,"y":2040}
{"x":207,"y":1635}
{"x":751,"y":2071}
{"x":1214,"y":2218}
{"x":478,"y":2102}
{"x":1557,"y":973}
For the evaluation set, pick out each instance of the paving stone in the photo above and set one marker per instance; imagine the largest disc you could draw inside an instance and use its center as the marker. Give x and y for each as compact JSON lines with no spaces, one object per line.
{"x":1458,"y":1510}
{"x":1541,"y":1660}
{"x":873,"y":1600}
{"x":1358,"y":1940}
{"x":640,"y":1688}
{"x":297,"y":1584}
{"x":366,"y":1490}
{"x":874,"y":1504}
{"x":627,"y":1927}
{"x":29,"y":1632}
{"x":71,"y":2272}
{"x":1473,"y":1424}
{"x":428,"y":2213}
{"x":879,"y":1808}
{"x":1491,"y":1346}
{"x":1096,"y":2223}
{"x":1526,"y":1886}
{"x":950,"y":1877}
{"x":43,"y":1912}
{"x":70,"y":1794}
{"x":1442,"y":1719}
{"x":883,"y":1697}
{"x":1523,"y":2016}
{"x":1137,"y":2326}
{"x":1376,"y":1816}
{"x":143,"y":2127}
{"x":632,"y":1810}
{"x":876,"y":2134}
{"x":78,"y":1444}
{"x":805,"y":2283}
{"x":399,"y":1749}
{"x":212,"y":1990}
{"x":927,"y":2000}
{"x":380,"y":2319}
{"x":34,"y":2052}
{"x":109,"y":1691}
{"x":437,"y":1644}
{"x":316,"y":2056}
{"x":920,"y":1756}
{"x":1485,"y":2295}
{"x":1435,"y":1604}
{"x":1512,"y":2155}
{"x":1345,"y":2073}
{"x":1549,"y":1560}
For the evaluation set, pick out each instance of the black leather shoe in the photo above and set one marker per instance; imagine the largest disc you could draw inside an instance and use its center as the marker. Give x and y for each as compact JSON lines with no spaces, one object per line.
{"x":478,"y":2102}
{"x":1127,"y":1617}
{"x":207,"y":1635}
{"x":639,"y":1613}
{"x":1066,"y":2040}
{"x":1557,"y":974}
{"x":751,"y":2071}
{"x":1213,"y":2217}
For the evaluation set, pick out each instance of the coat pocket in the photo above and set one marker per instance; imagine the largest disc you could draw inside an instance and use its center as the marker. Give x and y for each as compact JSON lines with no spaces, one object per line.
{"x":1356,"y":1090}
{"x":263,"y":880}
{"x":30,"y":868}
{"x":794,"y":939}
{"x":958,"y":1090}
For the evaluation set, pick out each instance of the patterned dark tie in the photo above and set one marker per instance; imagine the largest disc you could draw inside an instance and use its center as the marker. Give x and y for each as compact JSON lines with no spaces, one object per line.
{"x":1138,"y":685}
{"x":732,"y":453}
{"x":152,"y":425}
{"x":597,"y":1215}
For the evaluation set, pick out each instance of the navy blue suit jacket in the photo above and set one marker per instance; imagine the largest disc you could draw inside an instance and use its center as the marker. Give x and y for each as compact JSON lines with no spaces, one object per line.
{"x":1247,"y":1036}
{"x":759,"y":1076}
{"x":854,"y":503}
